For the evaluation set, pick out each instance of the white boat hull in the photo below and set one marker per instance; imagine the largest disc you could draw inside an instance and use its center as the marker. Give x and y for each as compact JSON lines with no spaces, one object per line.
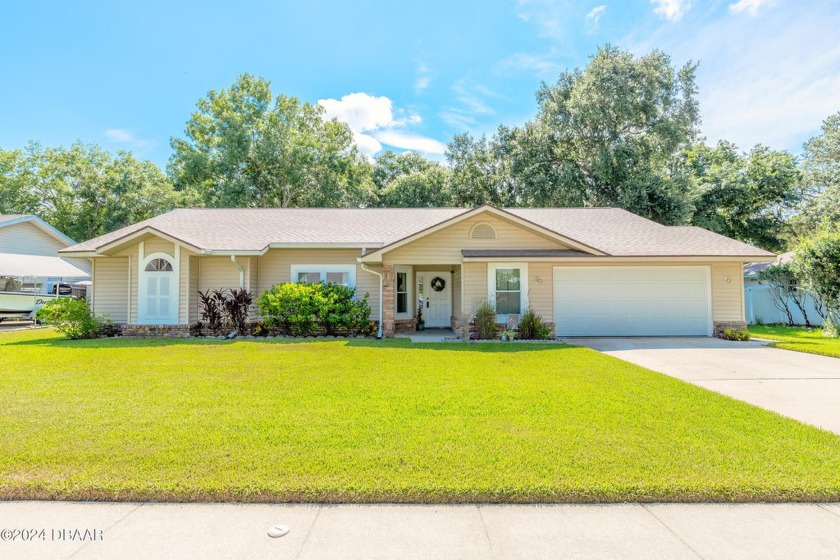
{"x":22,"y":304}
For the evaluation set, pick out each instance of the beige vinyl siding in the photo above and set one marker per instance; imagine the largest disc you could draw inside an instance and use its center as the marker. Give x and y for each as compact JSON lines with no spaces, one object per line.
{"x":474,"y":277}
{"x":540,"y":297}
{"x":184,"y":294}
{"x":444,"y":246}
{"x":727,"y":297}
{"x":28,"y":239}
{"x":275,"y":267}
{"x":158,"y":245}
{"x":216,"y":273}
{"x":192,"y":293}
{"x":110,"y":286}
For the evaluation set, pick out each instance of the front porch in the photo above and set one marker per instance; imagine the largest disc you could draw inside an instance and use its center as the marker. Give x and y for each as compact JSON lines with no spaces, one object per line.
{"x":429,"y":295}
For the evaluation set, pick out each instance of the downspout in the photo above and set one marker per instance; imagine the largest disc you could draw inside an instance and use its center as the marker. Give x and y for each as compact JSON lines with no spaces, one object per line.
{"x":381,"y":303}
{"x":241,"y":271}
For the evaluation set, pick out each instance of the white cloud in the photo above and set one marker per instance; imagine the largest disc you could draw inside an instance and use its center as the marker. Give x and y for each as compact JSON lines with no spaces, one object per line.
{"x":753,"y":90}
{"x":413,"y":142}
{"x":120,"y":135}
{"x":750,"y":7}
{"x":596,"y":13}
{"x":372,"y":121}
{"x":360,"y":111}
{"x":672,"y":10}
{"x":423,"y":80}
{"x":545,"y":66}
{"x":126,"y":136}
{"x":551,"y":17}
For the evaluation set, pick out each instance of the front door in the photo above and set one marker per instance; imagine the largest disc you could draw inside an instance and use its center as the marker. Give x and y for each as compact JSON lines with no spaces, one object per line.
{"x":437,"y":290}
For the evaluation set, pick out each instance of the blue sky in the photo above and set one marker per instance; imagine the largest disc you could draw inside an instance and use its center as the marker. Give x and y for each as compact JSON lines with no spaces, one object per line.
{"x":127,"y":75}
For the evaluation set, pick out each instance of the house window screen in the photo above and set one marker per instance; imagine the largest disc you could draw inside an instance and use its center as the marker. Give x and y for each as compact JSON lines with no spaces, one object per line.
{"x":402,"y":292}
{"x":508,"y":291}
{"x":329,"y":277}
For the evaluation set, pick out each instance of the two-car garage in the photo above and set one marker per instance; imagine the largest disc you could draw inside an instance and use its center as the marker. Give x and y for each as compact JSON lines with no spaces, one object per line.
{"x":632,"y":300}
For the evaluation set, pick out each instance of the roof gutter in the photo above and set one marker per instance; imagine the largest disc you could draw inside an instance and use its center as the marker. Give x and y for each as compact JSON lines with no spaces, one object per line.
{"x":381,"y":303}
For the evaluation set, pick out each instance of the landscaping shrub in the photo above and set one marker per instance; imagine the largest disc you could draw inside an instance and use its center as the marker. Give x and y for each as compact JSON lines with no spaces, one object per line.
{"x":733,"y":334}
{"x":304,"y":309}
{"x":236,"y":305}
{"x":532,"y":327}
{"x":224,"y":310}
{"x":485,"y":321}
{"x":211,"y":309}
{"x":339,"y":312}
{"x":72,"y":317}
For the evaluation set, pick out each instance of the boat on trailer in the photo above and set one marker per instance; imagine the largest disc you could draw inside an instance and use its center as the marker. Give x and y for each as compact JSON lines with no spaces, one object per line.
{"x":28,"y":282}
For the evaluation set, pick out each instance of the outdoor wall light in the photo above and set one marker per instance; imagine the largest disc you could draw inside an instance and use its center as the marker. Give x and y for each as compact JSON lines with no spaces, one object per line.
{"x":538,"y":279}
{"x":727,"y":279}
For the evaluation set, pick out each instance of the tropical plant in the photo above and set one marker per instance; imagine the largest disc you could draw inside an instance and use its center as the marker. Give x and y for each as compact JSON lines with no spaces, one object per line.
{"x":485,"y":321}
{"x":236,"y":305}
{"x":211,"y":309}
{"x":532,"y":327}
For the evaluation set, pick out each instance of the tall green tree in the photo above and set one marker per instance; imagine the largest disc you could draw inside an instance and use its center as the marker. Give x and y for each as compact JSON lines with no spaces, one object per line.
{"x":246,"y":148}
{"x":610,"y":134}
{"x":821,"y":176}
{"x":817,"y":262}
{"x":83,"y":190}
{"x":749,"y":196}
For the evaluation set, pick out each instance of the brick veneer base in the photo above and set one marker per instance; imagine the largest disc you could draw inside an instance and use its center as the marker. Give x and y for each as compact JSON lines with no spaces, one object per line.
{"x":405,"y":325}
{"x":149,"y":331}
{"x":721,"y":326}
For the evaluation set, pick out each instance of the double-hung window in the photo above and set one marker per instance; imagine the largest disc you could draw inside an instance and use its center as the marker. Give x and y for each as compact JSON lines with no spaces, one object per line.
{"x":328,"y":274}
{"x":403,"y":280}
{"x":508,"y":287}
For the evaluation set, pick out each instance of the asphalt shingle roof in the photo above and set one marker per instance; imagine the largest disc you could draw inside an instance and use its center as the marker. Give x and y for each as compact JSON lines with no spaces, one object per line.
{"x":613,"y":231}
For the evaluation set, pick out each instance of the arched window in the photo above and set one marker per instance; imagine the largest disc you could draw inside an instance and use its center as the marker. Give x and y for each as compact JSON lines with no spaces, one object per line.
{"x":483,"y":231}
{"x":159,"y":265}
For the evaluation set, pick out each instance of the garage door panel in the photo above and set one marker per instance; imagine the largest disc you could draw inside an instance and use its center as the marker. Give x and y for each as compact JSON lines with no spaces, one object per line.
{"x":632,"y":301}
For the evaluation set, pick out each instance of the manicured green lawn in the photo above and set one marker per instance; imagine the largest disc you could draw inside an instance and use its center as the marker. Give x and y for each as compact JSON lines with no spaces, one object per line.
{"x":375,"y":421}
{"x":798,"y":338}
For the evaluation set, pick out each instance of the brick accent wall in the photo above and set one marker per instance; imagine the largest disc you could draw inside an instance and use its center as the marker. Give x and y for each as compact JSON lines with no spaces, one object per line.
{"x":405,"y":325}
{"x":388,"y":280}
{"x":151,"y":331}
{"x":721,"y":326}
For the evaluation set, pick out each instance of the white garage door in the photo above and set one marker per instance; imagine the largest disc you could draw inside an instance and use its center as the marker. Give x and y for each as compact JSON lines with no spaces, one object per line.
{"x":632,"y":301}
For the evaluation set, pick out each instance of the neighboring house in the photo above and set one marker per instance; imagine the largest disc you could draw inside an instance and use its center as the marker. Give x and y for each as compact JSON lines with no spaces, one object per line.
{"x":29,"y":252}
{"x":759,"y":301}
{"x":587,"y":271}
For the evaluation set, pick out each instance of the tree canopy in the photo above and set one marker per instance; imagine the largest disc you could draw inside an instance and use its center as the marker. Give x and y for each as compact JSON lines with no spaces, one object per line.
{"x":82,"y":190}
{"x":244,"y":147}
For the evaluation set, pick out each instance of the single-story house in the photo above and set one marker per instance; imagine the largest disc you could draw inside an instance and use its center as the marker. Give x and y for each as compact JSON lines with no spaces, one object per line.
{"x":762,"y":307}
{"x":29,"y":253}
{"x":586,"y":271}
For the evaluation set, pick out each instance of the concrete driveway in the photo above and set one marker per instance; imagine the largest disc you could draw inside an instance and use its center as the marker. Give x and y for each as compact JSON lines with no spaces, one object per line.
{"x":802,"y":386}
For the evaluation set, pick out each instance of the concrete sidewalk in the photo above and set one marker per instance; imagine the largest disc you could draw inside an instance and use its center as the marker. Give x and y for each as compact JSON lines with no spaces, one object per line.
{"x":210,"y":531}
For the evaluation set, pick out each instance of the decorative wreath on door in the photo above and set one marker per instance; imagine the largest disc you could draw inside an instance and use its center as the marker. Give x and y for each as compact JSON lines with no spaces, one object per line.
{"x":438,"y":284}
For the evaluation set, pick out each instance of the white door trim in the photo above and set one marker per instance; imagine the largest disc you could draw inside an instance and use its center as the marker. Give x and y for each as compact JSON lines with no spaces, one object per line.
{"x":174,"y":290}
{"x":446,"y":297}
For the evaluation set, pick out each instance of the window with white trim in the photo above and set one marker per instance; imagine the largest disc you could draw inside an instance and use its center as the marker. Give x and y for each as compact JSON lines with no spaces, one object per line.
{"x":508,"y":289}
{"x":402,"y":292}
{"x":326,"y":273}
